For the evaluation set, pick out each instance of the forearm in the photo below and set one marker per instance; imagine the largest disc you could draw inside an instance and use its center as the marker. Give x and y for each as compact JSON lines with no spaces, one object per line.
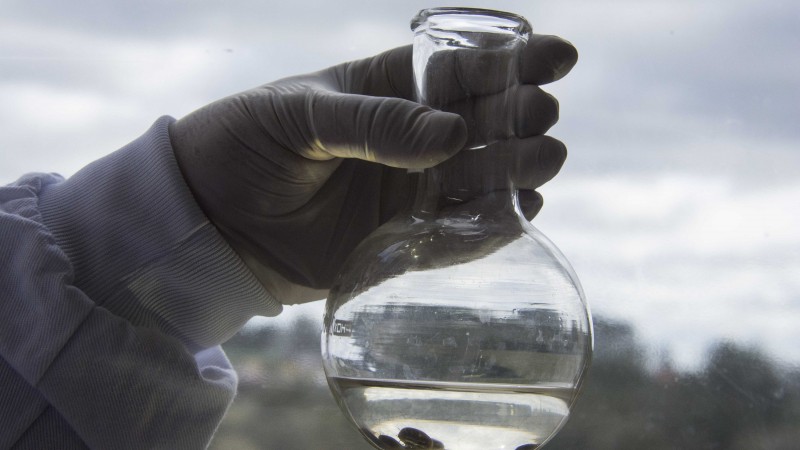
{"x":113,"y":284}
{"x":142,"y":248}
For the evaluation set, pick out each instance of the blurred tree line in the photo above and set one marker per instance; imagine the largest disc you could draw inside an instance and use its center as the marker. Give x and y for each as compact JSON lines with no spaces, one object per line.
{"x":740,"y":398}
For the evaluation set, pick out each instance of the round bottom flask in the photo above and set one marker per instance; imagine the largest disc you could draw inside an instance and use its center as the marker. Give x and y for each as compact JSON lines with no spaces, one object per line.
{"x":457,"y":324}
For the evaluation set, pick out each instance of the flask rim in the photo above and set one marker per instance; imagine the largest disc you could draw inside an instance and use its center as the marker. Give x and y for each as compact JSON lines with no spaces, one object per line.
{"x":522,"y":28}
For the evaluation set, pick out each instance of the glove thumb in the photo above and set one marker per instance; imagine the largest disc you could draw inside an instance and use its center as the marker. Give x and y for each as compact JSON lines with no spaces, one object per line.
{"x":390,"y":131}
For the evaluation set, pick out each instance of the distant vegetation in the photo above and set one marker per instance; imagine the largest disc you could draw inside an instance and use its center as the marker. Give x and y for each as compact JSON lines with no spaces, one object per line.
{"x":739,"y":399}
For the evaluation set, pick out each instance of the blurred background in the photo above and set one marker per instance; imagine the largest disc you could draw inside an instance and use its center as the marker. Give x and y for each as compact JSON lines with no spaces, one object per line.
{"x":678,"y":204}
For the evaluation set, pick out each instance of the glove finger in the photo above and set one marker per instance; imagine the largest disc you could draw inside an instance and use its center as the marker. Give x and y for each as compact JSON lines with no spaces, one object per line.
{"x":531,"y":202}
{"x":536,"y":160}
{"x":546,"y":59}
{"x":524,"y":163}
{"x":390,"y":131}
{"x":390,"y":74}
{"x":461,"y":74}
{"x":535,"y":111}
{"x":464,"y":75}
{"x":489,"y":118}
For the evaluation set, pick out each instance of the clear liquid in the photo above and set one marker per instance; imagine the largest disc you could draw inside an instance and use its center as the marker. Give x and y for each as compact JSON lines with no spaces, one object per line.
{"x":459,"y":343}
{"x":399,"y":414}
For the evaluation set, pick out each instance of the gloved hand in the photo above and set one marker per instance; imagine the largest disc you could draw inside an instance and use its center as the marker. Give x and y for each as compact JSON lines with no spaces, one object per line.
{"x":297,"y":172}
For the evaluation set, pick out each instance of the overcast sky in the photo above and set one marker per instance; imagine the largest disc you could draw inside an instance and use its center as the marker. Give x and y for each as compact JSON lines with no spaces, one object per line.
{"x":678,"y":205}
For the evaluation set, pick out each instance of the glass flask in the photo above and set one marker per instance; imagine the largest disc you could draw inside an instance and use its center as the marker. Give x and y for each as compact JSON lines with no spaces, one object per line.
{"x":457,"y":324}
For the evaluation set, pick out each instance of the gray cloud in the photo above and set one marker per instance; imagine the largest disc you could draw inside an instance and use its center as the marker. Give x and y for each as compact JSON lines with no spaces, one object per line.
{"x":707,"y":87}
{"x":680,"y":118}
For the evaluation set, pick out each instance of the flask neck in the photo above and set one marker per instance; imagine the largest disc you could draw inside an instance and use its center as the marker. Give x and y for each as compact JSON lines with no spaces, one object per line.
{"x":463,"y":186}
{"x":466,"y":62}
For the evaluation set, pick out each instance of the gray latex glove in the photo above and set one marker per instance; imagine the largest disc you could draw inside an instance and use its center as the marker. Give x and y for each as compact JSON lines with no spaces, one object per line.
{"x":297,"y":172}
